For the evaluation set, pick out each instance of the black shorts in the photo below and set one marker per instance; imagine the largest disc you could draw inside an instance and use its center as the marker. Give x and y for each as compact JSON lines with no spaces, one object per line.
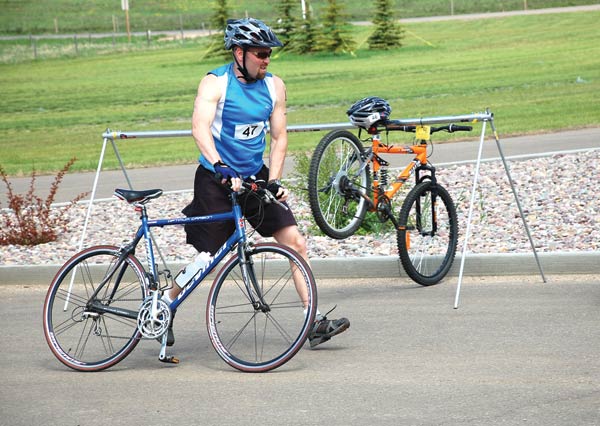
{"x":210,"y":197}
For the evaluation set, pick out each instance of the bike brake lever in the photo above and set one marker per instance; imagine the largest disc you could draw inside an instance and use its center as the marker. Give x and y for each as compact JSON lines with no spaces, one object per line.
{"x":272,"y":199}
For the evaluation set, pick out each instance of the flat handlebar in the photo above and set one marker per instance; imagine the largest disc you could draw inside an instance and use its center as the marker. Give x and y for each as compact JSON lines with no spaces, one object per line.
{"x":450,"y":128}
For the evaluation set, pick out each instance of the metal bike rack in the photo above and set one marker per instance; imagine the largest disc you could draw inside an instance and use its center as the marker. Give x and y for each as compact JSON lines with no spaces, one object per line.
{"x":113,"y":136}
{"x":483,"y":117}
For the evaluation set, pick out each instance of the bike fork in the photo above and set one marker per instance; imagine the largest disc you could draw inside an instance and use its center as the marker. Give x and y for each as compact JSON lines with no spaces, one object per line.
{"x":251,"y":283}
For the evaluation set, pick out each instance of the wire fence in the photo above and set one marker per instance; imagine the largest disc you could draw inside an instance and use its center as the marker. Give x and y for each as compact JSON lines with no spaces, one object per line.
{"x":59,"y":16}
{"x":89,"y":34}
{"x":73,"y":45}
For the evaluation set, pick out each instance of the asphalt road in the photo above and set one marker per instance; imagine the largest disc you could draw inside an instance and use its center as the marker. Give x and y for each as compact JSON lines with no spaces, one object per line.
{"x":517,"y":352}
{"x":181,"y":177}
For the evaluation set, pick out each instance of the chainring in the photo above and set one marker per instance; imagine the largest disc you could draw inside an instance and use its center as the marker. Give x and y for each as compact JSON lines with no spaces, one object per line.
{"x":384,"y":206}
{"x":152,"y":326}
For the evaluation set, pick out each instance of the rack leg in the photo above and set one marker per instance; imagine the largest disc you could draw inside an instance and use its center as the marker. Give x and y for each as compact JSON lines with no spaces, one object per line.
{"x":469,"y":217}
{"x":121,"y":163}
{"x":512,"y":186}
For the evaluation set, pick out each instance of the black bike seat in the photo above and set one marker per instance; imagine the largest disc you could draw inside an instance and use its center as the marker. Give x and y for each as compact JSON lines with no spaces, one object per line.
{"x":141,"y":197}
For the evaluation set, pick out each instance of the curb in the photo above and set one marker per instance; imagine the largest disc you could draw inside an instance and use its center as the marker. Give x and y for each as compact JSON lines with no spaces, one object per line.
{"x":475,"y":265}
{"x":556,"y":263}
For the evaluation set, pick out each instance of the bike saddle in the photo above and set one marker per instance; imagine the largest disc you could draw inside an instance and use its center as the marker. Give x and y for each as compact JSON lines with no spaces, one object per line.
{"x":141,"y":197}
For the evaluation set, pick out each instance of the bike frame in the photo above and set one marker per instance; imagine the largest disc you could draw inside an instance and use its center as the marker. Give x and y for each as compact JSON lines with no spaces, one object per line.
{"x":377,"y":147}
{"x":238,"y":237}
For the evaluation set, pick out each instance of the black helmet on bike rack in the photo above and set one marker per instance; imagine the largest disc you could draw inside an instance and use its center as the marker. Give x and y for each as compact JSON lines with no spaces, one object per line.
{"x":369,"y":111}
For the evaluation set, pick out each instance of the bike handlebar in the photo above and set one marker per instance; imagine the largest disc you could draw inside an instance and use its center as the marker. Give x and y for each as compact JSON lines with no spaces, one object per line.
{"x":266,"y":196}
{"x":257,"y":187}
{"x":450,"y":128}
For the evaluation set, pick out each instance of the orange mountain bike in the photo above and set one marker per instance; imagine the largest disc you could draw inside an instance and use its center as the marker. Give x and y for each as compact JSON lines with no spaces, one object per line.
{"x":347,"y":179}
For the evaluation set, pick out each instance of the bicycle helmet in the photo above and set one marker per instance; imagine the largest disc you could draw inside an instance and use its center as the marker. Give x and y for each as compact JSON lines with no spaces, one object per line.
{"x":369,"y":111}
{"x":249,"y":32}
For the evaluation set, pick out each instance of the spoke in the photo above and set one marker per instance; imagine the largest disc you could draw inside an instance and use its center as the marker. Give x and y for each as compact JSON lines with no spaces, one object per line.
{"x":121,"y":320}
{"x":86,"y":277}
{"x":276,"y":282}
{"x":64,"y":326}
{"x":256,"y":357}
{"x":235,"y":337}
{"x":224,"y":310}
{"x":83,"y":339}
{"x":64,"y":295}
{"x":286,"y":305}
{"x":123,"y":292}
{"x":107,"y":288}
{"x":239,"y":283}
{"x":106,"y":338}
{"x":327,"y":188}
{"x":279,"y":327}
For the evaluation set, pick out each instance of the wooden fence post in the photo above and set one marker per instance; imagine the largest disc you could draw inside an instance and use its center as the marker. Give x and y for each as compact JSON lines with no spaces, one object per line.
{"x":181,"y":27}
{"x":33,"y":42}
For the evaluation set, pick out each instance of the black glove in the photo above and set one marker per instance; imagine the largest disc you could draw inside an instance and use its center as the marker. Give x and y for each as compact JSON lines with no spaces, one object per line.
{"x":274,"y":186}
{"x":224,"y":171}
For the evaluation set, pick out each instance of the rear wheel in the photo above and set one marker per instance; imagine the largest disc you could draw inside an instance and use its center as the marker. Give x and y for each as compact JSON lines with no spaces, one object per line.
{"x":256,"y":337}
{"x":338,"y":181}
{"x":79,"y":331}
{"x":428,"y":233}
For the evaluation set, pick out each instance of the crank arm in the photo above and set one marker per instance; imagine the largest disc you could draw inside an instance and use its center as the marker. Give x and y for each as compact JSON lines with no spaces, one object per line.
{"x":162,"y":356}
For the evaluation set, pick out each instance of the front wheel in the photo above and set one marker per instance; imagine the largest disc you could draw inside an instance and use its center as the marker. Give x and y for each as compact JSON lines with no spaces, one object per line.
{"x":428,"y":233}
{"x":338,"y":184}
{"x":261,"y":328}
{"x":91,"y":334}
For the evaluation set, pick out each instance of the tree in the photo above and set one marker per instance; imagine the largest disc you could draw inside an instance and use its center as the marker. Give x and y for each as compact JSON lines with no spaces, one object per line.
{"x":335,"y":35}
{"x":388,"y":34}
{"x":305,"y":35}
{"x":219,"y":22}
{"x":286,"y":24}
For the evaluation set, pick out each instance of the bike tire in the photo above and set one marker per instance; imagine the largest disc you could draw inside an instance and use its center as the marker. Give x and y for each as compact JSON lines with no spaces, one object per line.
{"x":246,"y":337}
{"x":82,"y":338}
{"x":426,"y":256}
{"x":336,"y":181}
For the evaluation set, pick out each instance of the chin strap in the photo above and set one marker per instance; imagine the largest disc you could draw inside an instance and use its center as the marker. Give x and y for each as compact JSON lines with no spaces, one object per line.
{"x":243,"y":70}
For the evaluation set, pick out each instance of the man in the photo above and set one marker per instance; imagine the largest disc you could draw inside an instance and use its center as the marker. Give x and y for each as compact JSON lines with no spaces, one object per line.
{"x":229,"y":123}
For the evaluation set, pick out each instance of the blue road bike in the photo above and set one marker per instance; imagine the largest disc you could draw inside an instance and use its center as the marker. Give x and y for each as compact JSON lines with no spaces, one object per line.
{"x":259,"y":311}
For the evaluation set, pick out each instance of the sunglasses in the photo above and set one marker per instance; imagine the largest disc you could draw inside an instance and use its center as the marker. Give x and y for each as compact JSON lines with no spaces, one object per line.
{"x":263,"y":54}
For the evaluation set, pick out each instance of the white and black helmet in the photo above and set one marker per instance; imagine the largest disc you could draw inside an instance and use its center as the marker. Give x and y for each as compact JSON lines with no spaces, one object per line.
{"x":369,"y":111}
{"x":249,"y":32}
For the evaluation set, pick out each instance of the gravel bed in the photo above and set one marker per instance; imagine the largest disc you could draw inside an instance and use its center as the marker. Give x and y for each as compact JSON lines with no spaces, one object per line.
{"x":558,"y":194}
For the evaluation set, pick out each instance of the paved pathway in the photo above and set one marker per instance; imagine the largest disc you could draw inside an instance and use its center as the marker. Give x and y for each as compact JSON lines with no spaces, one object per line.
{"x":174,"y":178}
{"x":517,"y":352}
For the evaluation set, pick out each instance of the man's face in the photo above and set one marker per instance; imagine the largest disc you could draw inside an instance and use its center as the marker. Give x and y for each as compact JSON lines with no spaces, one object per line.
{"x":257,"y":61}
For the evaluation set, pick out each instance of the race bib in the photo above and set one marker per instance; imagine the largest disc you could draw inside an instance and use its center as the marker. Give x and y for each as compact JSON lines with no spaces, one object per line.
{"x":248,"y":131}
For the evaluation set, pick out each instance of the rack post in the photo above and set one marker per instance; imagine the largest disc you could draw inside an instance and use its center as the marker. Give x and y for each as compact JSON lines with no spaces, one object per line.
{"x":470,"y":214}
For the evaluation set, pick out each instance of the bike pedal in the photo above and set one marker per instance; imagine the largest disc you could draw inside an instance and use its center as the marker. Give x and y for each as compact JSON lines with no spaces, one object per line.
{"x":169,"y":360}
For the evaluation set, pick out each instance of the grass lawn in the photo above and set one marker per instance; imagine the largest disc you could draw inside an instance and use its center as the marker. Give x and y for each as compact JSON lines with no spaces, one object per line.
{"x":536,"y":73}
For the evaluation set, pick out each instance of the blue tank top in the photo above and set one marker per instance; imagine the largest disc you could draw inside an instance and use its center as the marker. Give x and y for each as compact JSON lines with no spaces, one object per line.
{"x":240,"y":123}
